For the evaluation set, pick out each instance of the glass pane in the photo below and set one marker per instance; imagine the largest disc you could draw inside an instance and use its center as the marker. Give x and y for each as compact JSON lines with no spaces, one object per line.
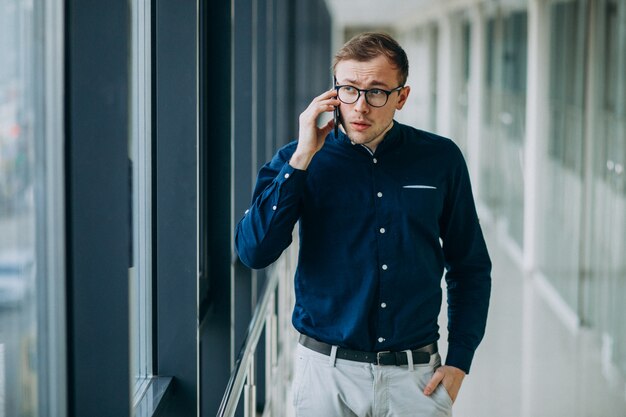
{"x":140,"y":150}
{"x":605,"y":290}
{"x":505,"y":119}
{"x":618,"y":264}
{"x":561,"y":194}
{"x":489,"y":172}
{"x":19,"y":204}
{"x":462,"y":82}
{"x":433,"y":59}
{"x":421,"y":47}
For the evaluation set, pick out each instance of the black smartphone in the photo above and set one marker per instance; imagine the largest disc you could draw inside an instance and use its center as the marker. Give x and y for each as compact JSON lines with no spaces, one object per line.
{"x":336,"y":116}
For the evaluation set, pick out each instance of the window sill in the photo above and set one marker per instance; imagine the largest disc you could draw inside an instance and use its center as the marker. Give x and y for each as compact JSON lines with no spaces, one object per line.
{"x":156,"y":391}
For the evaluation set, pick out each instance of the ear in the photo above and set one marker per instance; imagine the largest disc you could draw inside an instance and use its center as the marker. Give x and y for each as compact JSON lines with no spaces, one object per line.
{"x":404,"y":95}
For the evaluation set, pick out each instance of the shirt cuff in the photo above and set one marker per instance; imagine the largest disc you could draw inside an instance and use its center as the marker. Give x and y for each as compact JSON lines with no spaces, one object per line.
{"x":290,"y":177}
{"x":460,"y":357}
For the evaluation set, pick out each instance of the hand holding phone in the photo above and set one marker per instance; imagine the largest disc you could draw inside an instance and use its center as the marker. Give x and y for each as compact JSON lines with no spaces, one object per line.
{"x":336,"y":116}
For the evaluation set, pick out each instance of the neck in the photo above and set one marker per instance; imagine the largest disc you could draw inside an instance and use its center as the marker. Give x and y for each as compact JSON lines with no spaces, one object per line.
{"x":373,"y":144}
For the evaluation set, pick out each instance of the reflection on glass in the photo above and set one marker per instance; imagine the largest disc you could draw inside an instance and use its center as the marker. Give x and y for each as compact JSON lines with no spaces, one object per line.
{"x":582,"y":235}
{"x":504,"y":121}
{"x":561,"y":192}
{"x":18,"y":297}
{"x":604,"y":304}
{"x":463,"y":72}
{"x":140,"y":273}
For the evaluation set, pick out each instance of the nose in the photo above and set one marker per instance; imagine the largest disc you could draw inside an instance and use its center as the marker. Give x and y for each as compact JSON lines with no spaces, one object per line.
{"x":361,"y":104}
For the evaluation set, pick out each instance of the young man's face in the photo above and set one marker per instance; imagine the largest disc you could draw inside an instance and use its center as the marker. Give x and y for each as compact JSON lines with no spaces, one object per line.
{"x":363,"y":123}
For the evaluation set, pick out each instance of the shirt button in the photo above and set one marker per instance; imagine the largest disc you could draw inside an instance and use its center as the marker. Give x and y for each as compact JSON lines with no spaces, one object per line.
{"x":384,"y":267}
{"x":379,"y":194}
{"x":287,"y":175}
{"x":382,"y":230}
{"x":383,"y":305}
{"x":274,"y":208}
{"x":375,"y":160}
{"x":247,"y":211}
{"x":381,"y":339}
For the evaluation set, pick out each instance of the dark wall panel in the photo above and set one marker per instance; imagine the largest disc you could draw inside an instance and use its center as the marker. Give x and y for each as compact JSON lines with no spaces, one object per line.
{"x":215,"y":138}
{"x":98,"y":206}
{"x":280,"y":50}
{"x":175,"y":252}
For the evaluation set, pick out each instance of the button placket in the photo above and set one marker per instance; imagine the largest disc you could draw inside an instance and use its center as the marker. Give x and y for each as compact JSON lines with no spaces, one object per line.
{"x":381,"y":215}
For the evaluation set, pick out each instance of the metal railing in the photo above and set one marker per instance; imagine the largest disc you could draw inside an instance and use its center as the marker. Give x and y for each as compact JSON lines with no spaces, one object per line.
{"x":280,"y":339}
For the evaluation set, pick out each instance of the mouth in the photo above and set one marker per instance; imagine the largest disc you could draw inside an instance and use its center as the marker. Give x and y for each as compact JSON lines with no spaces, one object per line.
{"x":360,"y":126}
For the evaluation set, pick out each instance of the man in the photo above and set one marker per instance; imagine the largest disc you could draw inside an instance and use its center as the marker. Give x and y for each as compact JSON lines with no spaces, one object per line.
{"x":383,"y":208}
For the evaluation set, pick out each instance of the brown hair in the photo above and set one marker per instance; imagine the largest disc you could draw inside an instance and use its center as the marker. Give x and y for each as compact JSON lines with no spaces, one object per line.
{"x":369,"y":45}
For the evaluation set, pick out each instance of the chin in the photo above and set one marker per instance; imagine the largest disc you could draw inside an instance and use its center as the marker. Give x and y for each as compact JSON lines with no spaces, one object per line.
{"x":357,"y":137}
{"x":361,"y":140}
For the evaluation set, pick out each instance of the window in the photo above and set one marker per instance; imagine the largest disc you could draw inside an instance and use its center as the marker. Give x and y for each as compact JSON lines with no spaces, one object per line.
{"x":504,"y":119}
{"x":567,"y":97}
{"x":610,"y":162}
{"x":140,"y":151}
{"x":32,"y":334}
{"x":605,"y":272}
{"x":561,"y":194}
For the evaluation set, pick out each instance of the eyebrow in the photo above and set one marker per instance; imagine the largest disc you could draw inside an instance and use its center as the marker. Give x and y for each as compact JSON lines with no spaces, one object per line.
{"x":373,"y":84}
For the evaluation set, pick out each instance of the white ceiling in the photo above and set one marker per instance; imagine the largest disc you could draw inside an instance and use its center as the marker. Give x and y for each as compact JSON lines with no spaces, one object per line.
{"x":373,"y":12}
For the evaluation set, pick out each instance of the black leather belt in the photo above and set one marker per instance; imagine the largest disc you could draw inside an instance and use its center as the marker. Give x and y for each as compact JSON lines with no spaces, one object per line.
{"x":420,"y":356}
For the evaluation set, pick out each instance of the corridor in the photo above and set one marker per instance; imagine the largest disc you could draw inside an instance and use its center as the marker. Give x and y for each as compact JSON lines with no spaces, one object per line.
{"x":530,"y":364}
{"x":128,"y":156}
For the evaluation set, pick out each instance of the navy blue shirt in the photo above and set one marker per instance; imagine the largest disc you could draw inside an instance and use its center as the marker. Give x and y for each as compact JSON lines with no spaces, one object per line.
{"x":376,"y":232}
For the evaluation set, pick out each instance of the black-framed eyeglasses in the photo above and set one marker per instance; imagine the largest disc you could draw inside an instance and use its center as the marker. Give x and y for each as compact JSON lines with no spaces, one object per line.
{"x":375,"y":97}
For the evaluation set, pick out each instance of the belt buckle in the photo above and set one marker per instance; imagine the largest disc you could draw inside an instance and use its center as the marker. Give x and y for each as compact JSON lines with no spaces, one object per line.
{"x":378,"y":356}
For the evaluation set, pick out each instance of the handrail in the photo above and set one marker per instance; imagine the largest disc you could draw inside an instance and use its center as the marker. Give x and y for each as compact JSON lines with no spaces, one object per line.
{"x":246,"y":354}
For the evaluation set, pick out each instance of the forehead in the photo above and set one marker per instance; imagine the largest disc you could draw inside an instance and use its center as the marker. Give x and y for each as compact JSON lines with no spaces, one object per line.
{"x":377,"y":71}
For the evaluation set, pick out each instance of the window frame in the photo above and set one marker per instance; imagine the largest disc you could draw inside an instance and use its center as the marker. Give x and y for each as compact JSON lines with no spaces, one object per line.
{"x":140,"y":150}
{"x":97,"y":206}
{"x":52,"y":387}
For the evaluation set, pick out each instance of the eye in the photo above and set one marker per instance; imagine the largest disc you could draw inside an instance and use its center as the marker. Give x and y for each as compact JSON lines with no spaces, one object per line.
{"x":349,"y":89}
{"x":376,"y":92}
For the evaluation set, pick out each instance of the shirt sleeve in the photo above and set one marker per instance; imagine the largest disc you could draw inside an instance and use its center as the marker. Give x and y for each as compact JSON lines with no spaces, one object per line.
{"x":265,"y":230}
{"x":468,"y":266}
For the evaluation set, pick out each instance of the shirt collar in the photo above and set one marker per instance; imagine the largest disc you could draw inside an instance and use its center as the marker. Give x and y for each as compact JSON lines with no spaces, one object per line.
{"x":391,"y":137}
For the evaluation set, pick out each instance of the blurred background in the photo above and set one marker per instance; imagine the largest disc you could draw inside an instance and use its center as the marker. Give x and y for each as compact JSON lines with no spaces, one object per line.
{"x":130,"y":136}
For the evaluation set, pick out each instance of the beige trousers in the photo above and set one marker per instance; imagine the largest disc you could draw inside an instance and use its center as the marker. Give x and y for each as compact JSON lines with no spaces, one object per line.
{"x":328,"y":387}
